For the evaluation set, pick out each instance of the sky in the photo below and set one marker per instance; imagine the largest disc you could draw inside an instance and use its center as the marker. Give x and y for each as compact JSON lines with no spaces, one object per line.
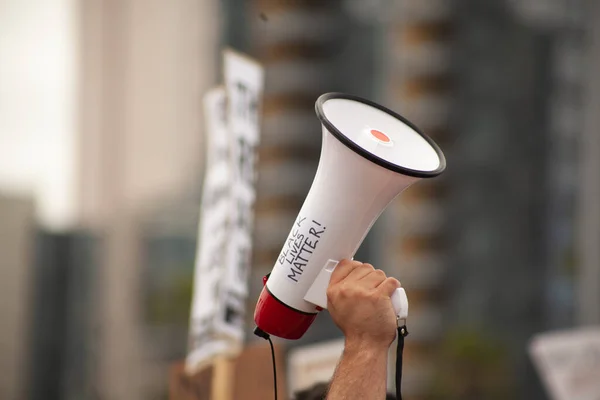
{"x":37,"y":106}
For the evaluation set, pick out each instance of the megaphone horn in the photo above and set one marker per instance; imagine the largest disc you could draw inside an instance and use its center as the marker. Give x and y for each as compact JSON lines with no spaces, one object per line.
{"x":369,"y":155}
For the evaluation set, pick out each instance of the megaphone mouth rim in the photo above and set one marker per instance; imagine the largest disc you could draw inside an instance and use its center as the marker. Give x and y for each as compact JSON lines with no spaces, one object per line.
{"x":368,"y":155}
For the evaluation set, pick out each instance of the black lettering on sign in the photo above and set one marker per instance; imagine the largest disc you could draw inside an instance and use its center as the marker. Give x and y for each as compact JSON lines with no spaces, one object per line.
{"x":234,"y":309}
{"x":243,"y":215}
{"x":300,"y":245}
{"x":215,"y":196}
{"x":201,"y":332}
{"x":283,"y":255}
{"x":241,"y":108}
{"x":253,"y":109}
{"x":246,"y":160}
{"x":311,"y":244}
{"x":292,"y":275}
{"x":315,"y":231}
{"x":243,"y":264}
{"x":215,"y":260}
{"x":232,"y":315}
{"x":247,"y":103}
{"x":222,"y":111}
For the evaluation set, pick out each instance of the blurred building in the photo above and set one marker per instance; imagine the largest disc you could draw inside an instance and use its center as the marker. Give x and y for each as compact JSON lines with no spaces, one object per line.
{"x":420,"y":44}
{"x":518,"y":107}
{"x":486,"y":250}
{"x":17,"y":225}
{"x":588,"y":213}
{"x":63,"y":331}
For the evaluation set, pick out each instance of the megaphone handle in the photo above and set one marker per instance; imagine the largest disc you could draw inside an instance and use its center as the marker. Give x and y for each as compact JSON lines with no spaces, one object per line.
{"x":317,"y":293}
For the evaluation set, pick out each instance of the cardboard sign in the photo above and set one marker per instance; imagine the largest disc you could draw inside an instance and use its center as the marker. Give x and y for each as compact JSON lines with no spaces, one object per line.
{"x":253,"y":377}
{"x":569,"y":363}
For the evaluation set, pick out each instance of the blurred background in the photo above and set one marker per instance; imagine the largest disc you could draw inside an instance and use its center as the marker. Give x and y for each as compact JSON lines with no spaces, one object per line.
{"x":101,"y":165}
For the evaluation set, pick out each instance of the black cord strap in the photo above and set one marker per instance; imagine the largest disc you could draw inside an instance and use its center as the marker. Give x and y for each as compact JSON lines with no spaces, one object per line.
{"x":259,"y":332}
{"x":402,"y":333}
{"x":274,"y":367}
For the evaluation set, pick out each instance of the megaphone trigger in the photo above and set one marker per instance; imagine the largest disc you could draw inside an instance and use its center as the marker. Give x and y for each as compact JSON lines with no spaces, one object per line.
{"x":400,"y":303}
{"x":317,"y":293}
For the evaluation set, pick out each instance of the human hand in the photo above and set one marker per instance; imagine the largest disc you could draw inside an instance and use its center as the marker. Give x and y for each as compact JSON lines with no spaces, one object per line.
{"x":359,"y":301}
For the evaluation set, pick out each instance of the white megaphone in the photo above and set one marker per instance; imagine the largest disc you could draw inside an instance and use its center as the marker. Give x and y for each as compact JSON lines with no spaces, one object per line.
{"x":369,"y":155}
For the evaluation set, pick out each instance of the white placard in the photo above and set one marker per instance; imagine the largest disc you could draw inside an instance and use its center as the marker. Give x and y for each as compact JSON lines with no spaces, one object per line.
{"x":569,"y":363}
{"x":205,"y":340}
{"x":244,"y":79}
{"x":316,"y":363}
{"x":226,"y":217}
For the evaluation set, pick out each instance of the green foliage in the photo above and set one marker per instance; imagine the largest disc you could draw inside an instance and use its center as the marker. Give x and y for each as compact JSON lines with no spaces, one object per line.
{"x":170,"y":303}
{"x":473,"y":366}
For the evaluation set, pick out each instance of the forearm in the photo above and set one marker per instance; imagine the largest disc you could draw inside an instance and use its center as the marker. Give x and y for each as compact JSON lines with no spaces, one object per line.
{"x":361,"y":374}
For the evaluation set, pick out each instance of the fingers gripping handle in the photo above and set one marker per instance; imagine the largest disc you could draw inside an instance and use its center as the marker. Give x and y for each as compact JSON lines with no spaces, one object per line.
{"x":317,"y":293}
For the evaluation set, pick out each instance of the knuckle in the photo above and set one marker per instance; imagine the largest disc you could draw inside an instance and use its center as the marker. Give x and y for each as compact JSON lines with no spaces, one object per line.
{"x":331,"y":292}
{"x":345,"y":291}
{"x":379,"y":273}
{"x":389,"y":286}
{"x":393,"y":282}
{"x":373,"y":297}
{"x":366,"y":269}
{"x":368,"y":266}
{"x":352,"y":292}
{"x":345,"y":261}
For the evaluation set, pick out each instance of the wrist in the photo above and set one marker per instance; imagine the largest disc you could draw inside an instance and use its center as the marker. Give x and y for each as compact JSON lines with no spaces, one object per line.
{"x":365,"y":348}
